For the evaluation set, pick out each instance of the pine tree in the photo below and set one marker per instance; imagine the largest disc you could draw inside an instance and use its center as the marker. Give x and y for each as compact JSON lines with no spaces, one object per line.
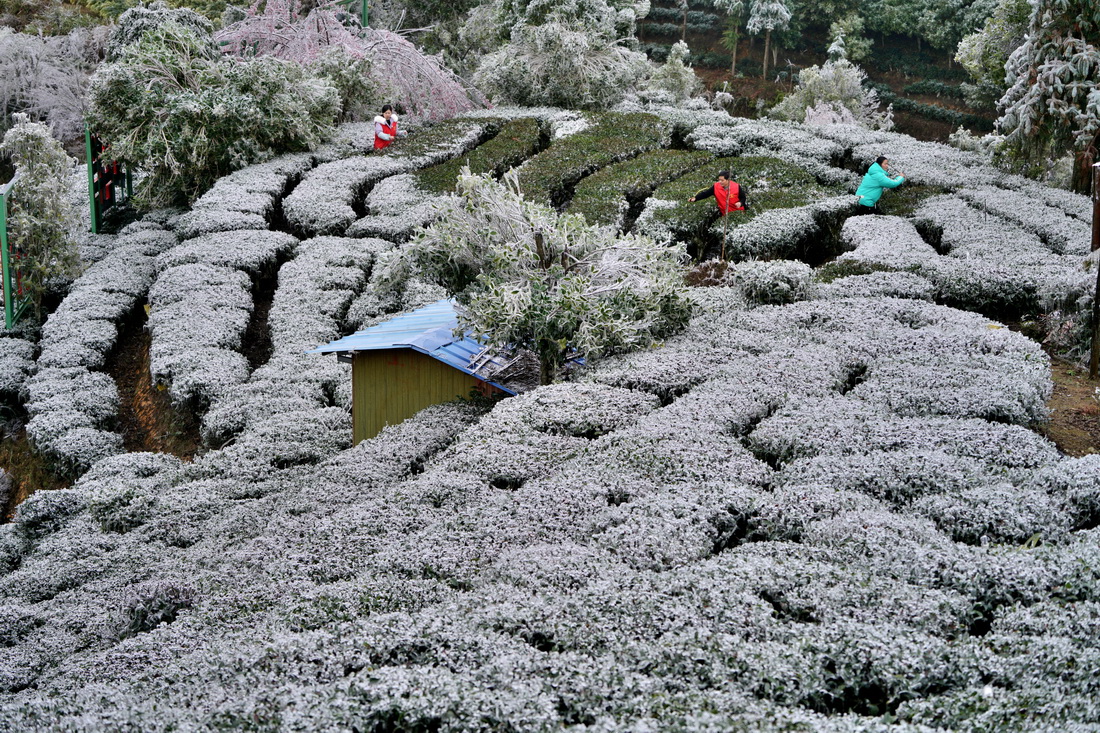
{"x":768,"y":15}
{"x":1052,"y":106}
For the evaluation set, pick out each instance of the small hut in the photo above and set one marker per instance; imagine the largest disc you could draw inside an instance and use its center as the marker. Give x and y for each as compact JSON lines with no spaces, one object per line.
{"x":413,"y":361}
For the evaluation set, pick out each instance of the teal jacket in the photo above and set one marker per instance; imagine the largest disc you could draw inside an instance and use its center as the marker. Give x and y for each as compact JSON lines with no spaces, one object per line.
{"x":873,"y":183}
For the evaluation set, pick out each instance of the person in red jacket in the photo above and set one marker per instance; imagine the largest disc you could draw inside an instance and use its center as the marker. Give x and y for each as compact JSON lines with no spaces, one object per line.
{"x":729,"y":194}
{"x":385,"y":129}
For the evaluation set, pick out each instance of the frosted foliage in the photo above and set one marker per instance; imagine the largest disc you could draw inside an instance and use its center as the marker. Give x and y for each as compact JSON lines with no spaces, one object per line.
{"x":768,"y":15}
{"x":16,"y":364}
{"x":1064,"y":234}
{"x":562,"y":62}
{"x":878,"y":285}
{"x":675,"y":76}
{"x":829,"y":515}
{"x":421,"y":83}
{"x":72,"y":405}
{"x":198,"y":315}
{"x":396,"y":208}
{"x":989,"y":263}
{"x":837,"y":86}
{"x":250,"y":251}
{"x":776,"y":282}
{"x":322,"y":202}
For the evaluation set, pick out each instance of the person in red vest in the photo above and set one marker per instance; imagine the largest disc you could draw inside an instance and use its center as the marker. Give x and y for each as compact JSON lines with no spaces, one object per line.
{"x":385,"y":128}
{"x":730,"y":195}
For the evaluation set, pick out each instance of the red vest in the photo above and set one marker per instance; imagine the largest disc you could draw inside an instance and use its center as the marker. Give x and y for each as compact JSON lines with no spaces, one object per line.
{"x":390,"y":128}
{"x":728,"y":202}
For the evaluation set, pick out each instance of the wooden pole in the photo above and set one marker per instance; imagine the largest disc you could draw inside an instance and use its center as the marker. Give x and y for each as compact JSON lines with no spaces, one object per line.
{"x":725,"y":229}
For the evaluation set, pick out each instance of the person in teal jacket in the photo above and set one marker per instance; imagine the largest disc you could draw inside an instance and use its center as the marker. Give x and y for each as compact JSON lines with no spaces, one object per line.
{"x":873,"y":184}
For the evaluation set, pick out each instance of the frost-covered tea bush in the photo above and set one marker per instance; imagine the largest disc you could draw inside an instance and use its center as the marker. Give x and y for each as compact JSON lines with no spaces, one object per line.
{"x":1062,"y":233}
{"x":253,"y":251}
{"x":396,"y":207}
{"x":198,"y":315}
{"x":772,"y":283}
{"x":323,"y":203}
{"x":794,"y":144}
{"x":605,"y":197}
{"x":782,"y":232}
{"x":612,"y":138}
{"x":16,"y":364}
{"x":69,"y":424}
{"x":878,"y":285}
{"x":829,"y":514}
{"x":294,"y":391}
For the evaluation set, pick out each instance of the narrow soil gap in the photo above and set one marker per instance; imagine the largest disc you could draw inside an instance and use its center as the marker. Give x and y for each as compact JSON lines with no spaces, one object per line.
{"x":27,"y":471}
{"x":256,"y":343}
{"x":146,"y":417}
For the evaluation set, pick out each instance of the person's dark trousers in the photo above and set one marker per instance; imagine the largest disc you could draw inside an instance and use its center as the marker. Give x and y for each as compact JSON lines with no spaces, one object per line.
{"x":861,"y":209}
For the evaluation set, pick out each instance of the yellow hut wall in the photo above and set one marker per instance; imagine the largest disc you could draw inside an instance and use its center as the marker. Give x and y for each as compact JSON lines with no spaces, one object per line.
{"x":391,"y":385}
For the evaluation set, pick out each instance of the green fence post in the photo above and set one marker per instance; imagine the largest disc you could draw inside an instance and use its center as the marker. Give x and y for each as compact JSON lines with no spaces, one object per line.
{"x":5,"y":258}
{"x":91,"y":178}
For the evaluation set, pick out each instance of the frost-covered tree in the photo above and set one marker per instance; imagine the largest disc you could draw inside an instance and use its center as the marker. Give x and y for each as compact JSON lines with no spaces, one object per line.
{"x":530,"y":277}
{"x":675,"y":76}
{"x":398,"y":70}
{"x":570,"y":54}
{"x":983,"y":54}
{"x":837,"y":49}
{"x":731,"y":36}
{"x":175,"y":107}
{"x":850,"y":28}
{"x":47,"y":76}
{"x":134,"y":23}
{"x":836,"y":88}
{"x":767,"y":16}
{"x":41,"y":217}
{"x":1052,"y":106}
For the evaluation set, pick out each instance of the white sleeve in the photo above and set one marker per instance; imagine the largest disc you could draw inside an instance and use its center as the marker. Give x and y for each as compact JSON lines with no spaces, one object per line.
{"x":379,"y":133}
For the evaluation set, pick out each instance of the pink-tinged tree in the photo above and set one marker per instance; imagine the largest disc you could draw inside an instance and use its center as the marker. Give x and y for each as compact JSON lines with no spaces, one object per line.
{"x":407,"y":76}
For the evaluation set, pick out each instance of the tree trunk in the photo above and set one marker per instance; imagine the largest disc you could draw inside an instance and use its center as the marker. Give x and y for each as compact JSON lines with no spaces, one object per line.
{"x":546,"y":370}
{"x":733,"y":61}
{"x":767,"y":47}
{"x":684,"y":25}
{"x":1081,"y":181}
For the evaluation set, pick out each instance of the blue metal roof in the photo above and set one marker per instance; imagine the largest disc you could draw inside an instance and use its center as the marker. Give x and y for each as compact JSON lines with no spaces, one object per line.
{"x":429,"y":330}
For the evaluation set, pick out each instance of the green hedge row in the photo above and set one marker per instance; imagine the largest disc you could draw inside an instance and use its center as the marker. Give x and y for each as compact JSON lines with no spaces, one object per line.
{"x":697,"y":18}
{"x":770,"y":183}
{"x":550,"y":176}
{"x":938,"y":88}
{"x":913,"y":63}
{"x":604,"y":197}
{"x":710,"y":60}
{"x":516,"y":141}
{"x":673,"y":30}
{"x":953,"y":117}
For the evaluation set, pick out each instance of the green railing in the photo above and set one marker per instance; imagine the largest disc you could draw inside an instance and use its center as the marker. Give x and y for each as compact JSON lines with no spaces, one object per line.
{"x":13,"y":304}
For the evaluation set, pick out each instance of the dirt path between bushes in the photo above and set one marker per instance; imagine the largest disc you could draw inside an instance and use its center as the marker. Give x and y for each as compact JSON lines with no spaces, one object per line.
{"x":147,"y":419}
{"x":1074,"y":410}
